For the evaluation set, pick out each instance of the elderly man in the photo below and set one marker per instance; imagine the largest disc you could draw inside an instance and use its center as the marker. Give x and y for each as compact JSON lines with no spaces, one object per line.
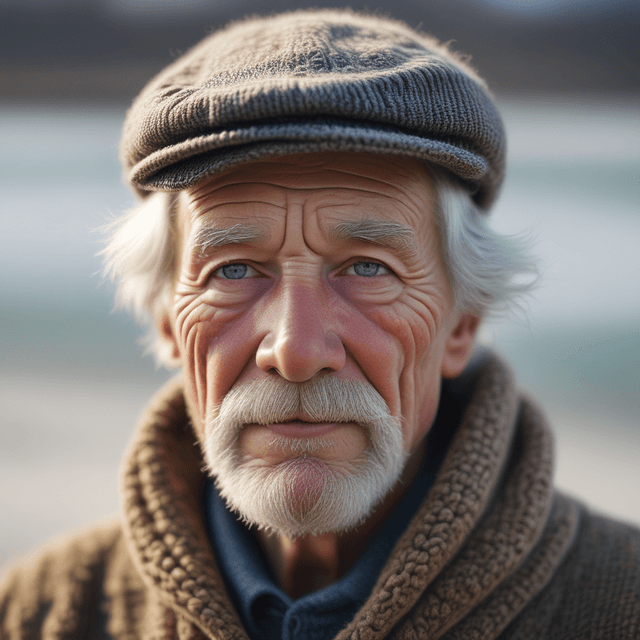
{"x":335,"y":460}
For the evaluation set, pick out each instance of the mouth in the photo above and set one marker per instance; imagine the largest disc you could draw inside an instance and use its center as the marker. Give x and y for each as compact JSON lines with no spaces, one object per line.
{"x":273,"y":443}
{"x":303,"y":429}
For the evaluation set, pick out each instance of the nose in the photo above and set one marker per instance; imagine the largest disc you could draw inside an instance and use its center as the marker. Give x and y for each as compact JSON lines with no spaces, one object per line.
{"x":300,"y":340}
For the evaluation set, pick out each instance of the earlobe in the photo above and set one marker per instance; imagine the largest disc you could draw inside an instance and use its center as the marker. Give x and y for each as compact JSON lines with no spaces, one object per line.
{"x":459,"y":346}
{"x":168,"y":346}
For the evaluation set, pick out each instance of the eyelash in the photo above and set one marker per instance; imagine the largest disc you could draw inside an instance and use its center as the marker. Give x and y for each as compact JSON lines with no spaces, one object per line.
{"x":357,"y":261}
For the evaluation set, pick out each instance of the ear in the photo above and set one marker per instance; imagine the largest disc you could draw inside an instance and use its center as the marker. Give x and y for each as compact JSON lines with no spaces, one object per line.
{"x":459,"y":346}
{"x":168,"y":345}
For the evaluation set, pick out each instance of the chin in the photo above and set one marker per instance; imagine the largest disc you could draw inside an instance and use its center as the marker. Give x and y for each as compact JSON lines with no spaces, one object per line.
{"x":306,"y":495}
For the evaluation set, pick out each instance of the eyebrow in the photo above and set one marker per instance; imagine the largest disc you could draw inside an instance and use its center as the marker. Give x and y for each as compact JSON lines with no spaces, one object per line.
{"x":207,"y":238}
{"x":384,"y":233}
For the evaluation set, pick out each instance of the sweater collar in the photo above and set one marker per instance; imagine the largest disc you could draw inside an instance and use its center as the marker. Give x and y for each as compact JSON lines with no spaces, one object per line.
{"x":485,"y":521}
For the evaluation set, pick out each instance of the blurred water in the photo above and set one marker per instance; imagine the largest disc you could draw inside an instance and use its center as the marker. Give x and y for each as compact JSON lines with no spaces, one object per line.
{"x":72,"y":381}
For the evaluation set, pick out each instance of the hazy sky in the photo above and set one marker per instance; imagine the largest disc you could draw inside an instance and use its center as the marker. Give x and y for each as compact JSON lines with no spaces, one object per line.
{"x":157,"y":8}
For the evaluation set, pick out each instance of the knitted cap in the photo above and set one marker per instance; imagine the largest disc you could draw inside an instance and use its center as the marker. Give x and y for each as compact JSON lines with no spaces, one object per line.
{"x":313,"y":81}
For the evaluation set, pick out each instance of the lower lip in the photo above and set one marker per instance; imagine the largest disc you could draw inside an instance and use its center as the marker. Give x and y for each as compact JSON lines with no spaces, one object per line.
{"x":302,"y":429}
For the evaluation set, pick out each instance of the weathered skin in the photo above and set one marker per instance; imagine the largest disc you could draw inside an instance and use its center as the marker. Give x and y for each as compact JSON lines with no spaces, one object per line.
{"x":302,"y":308}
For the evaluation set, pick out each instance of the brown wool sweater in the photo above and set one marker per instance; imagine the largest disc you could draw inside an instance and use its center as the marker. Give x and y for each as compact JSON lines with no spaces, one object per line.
{"x":493,"y":552}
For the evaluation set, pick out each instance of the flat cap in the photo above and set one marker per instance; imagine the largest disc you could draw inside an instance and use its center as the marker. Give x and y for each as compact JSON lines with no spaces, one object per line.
{"x":312,"y":81}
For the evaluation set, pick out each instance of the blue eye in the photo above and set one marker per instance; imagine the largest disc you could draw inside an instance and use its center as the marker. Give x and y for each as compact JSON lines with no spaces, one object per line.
{"x":234,"y":271}
{"x":368,"y":269}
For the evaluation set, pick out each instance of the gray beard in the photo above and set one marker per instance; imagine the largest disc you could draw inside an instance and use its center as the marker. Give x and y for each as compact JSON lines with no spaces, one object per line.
{"x":265,"y":495}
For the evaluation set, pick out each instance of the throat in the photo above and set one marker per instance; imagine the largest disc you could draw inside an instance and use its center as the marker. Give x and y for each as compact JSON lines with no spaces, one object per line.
{"x":305,"y":564}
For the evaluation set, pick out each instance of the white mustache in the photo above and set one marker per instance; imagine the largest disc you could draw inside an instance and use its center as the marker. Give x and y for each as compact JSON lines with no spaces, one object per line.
{"x":322,"y":399}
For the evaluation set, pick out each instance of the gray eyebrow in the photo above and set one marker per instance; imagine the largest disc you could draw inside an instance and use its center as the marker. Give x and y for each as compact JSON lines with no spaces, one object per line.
{"x":206,"y":238}
{"x":383,"y":233}
{"x":392,"y":235}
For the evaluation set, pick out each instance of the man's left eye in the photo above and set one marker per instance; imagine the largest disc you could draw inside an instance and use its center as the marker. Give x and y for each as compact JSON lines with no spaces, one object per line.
{"x":367,"y":269}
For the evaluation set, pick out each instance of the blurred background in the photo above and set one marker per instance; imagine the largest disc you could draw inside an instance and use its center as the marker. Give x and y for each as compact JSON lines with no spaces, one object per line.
{"x":72,"y":378}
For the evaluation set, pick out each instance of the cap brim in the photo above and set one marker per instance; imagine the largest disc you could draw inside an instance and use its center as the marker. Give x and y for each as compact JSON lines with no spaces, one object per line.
{"x":183,"y":164}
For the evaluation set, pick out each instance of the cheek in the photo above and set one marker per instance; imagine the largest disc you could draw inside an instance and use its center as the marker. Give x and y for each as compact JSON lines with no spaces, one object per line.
{"x":200,"y":328}
{"x":417,"y":325}
{"x":218,"y":335}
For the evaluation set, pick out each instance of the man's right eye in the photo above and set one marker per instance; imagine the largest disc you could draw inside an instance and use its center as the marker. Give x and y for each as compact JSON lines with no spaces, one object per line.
{"x":235,"y":271}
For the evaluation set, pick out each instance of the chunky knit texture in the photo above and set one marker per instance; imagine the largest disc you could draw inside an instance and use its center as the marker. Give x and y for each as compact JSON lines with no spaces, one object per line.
{"x":311,"y":81}
{"x":493,"y":552}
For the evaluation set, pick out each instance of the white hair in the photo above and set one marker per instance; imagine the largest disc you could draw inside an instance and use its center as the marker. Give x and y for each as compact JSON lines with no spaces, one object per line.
{"x":140,"y":257}
{"x":488,"y":271}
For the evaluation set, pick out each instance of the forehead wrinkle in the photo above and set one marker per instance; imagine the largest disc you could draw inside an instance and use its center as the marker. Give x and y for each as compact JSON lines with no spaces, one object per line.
{"x":361,"y":189}
{"x":211,"y":196}
{"x":365,"y":185}
{"x":404,"y":200}
{"x":422,"y":175}
{"x":363,"y":174}
{"x":201,"y":210}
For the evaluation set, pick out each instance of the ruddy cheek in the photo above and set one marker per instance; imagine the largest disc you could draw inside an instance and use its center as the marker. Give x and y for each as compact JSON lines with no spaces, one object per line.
{"x":197,"y":325}
{"x":413,"y":385}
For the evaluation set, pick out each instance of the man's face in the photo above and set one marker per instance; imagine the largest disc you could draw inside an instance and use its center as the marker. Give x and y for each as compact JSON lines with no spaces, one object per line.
{"x":314,"y":321}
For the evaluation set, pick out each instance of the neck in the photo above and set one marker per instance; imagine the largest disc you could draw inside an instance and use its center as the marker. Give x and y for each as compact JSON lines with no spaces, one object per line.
{"x":308,"y":563}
